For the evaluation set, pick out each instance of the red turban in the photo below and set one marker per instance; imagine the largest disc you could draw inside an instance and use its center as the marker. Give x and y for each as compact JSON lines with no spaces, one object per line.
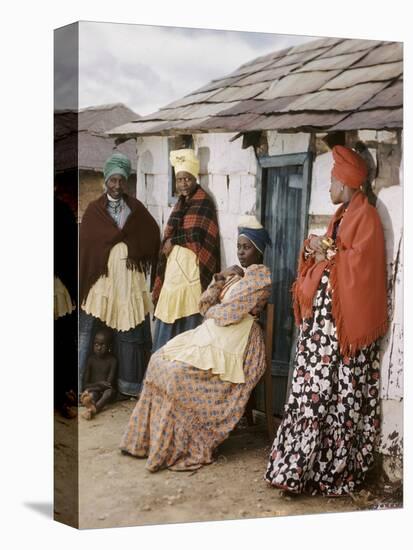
{"x":349,"y":168}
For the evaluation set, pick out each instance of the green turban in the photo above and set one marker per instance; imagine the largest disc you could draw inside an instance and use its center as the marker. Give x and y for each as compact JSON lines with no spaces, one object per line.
{"x":117,"y":164}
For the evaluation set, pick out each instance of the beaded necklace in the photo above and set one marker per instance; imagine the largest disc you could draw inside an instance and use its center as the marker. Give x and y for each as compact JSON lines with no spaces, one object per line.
{"x":115,"y":208}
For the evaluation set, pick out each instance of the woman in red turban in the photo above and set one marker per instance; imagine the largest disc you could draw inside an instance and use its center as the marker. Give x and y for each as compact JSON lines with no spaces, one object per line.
{"x":326,"y":439}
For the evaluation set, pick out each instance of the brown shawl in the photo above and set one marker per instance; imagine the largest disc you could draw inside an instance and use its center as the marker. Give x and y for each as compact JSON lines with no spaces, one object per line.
{"x":99,"y":234}
{"x":357,"y":277}
{"x":193,"y":223}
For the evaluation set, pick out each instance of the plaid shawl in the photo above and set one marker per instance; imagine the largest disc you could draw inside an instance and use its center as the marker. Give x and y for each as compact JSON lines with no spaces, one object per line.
{"x":99,"y":234}
{"x":193,"y":223}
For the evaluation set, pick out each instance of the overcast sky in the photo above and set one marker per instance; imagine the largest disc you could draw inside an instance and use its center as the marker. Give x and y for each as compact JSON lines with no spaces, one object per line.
{"x":147,"y":67}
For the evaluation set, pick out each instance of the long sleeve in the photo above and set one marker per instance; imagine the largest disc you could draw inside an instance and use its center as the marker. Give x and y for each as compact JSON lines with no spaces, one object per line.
{"x":250,"y":295}
{"x":210,"y":297}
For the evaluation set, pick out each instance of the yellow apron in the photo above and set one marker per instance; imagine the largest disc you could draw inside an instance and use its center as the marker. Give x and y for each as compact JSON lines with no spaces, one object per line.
{"x":181,"y":289}
{"x":212,"y":347}
{"x":121,"y":299}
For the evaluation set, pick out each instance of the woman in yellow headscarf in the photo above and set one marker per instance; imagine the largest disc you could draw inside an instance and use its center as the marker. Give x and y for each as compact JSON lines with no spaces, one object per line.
{"x":190,"y":253}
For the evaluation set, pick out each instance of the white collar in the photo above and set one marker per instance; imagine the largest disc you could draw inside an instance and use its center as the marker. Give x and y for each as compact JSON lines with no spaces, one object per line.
{"x":111,"y":199}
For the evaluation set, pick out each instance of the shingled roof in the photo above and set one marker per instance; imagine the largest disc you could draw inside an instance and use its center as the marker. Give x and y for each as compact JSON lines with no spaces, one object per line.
{"x":323,"y":85}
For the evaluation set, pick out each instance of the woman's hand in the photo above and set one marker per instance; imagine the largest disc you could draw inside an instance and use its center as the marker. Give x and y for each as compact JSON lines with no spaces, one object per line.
{"x":234,"y":270}
{"x":167,"y":247}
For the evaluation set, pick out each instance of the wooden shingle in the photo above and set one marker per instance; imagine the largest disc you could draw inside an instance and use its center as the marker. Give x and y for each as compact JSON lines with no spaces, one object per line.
{"x":353,"y":45}
{"x":338,"y":100}
{"x":218,"y":84}
{"x":298,"y":121}
{"x":392,"y":96}
{"x":352,"y":77}
{"x":378,"y":119}
{"x":238,"y":93}
{"x":343,"y":61}
{"x":260,"y":106}
{"x":387,"y":53}
{"x":295,"y":83}
{"x":190,"y":99}
{"x":267,"y":75}
{"x":229,"y":123}
{"x":205,"y":110}
{"x":297,"y":58}
{"x":252,"y":68}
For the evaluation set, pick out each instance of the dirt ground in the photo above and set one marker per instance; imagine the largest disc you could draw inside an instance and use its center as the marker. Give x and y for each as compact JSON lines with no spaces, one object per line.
{"x":117,"y":490}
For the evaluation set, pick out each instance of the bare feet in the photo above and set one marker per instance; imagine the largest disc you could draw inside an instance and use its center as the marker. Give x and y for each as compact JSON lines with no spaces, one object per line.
{"x":87,"y":414}
{"x":87,"y":401}
{"x":85,"y":398}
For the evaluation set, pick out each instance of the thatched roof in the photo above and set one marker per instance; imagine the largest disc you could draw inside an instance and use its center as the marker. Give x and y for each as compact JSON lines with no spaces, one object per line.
{"x":86,"y":133}
{"x":323,"y":85}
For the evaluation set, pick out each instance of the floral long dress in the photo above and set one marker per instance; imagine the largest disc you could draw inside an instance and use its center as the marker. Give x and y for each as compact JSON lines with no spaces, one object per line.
{"x":326,"y":439}
{"x":184,"y":413}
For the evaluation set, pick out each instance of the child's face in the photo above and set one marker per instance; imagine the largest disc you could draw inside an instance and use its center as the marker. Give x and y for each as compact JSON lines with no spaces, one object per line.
{"x":100,"y":345}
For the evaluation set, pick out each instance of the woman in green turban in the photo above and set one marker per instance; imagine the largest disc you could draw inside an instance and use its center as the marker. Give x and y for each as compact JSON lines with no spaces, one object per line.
{"x":118,"y":248}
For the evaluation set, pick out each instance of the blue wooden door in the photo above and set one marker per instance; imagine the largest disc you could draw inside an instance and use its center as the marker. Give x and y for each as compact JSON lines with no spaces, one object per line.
{"x":284,"y":212}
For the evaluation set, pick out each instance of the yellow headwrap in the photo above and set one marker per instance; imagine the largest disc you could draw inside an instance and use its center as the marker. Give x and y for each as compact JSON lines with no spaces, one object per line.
{"x":184,"y":160}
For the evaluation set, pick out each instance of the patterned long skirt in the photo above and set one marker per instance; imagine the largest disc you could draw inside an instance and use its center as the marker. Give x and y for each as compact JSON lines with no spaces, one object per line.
{"x":184,"y":413}
{"x":326,"y":439}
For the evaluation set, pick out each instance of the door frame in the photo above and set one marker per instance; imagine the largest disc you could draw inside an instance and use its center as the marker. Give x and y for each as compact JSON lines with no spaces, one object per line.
{"x":292,"y":159}
{"x":304,"y":159}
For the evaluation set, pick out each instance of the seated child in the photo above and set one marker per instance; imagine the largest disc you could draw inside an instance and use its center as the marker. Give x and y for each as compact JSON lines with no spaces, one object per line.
{"x":99,"y":377}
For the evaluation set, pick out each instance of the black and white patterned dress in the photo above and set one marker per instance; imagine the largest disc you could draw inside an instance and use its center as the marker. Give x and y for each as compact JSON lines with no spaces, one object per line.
{"x":326,"y":439}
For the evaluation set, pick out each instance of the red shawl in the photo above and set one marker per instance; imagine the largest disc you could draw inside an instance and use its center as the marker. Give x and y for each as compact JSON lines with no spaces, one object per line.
{"x":193,"y":224}
{"x":357,"y":277}
{"x":99,"y":234}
